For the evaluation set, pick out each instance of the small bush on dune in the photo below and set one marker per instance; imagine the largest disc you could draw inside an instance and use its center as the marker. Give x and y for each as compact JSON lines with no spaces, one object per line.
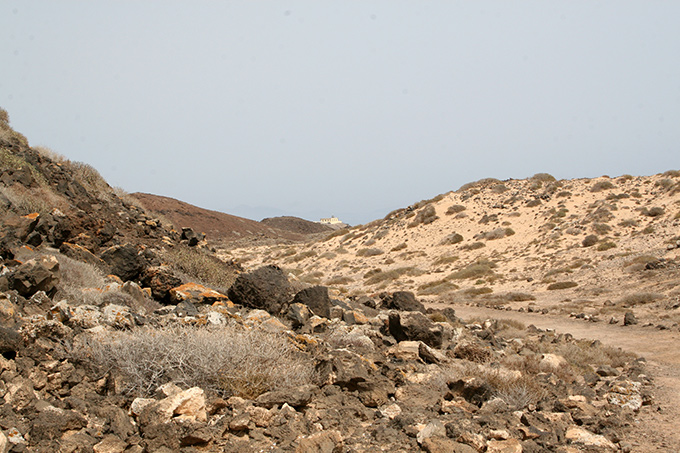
{"x":369,"y":252}
{"x":543,"y":177}
{"x":455,"y":209}
{"x":451,"y":239}
{"x":479,"y":269}
{"x":602,"y":185}
{"x":425,"y":216}
{"x":640,"y":298}
{"x":229,"y":360}
{"x":561,"y":285}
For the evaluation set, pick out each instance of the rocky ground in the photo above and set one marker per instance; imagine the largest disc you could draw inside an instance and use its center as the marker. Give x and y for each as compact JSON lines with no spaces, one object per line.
{"x":119,"y":333}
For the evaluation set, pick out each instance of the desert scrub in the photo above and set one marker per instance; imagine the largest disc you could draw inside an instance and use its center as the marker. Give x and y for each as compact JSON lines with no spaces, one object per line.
{"x":543,"y":177}
{"x":399,"y":247}
{"x":336,"y":233}
{"x":481,"y":268}
{"x":533,"y":203}
{"x":451,"y":239}
{"x":445,"y":259}
{"x":652,"y":212}
{"x":604,"y":246}
{"x":498,"y":233}
{"x":590,"y":240}
{"x":561,"y":285}
{"x":379,"y":276}
{"x":641,"y":298}
{"x":473,"y":292}
{"x":25,"y":200}
{"x":499,"y":188}
{"x":229,"y":360}
{"x":478,"y":184}
{"x":518,"y":296}
{"x":473,"y":246}
{"x":88,"y":177}
{"x":369,"y":252}
{"x":339,"y":280}
{"x":201,"y":267}
{"x":602,"y":185}
{"x":436,"y":287}
{"x":455,"y":209}
{"x":425,"y":216}
{"x":601,"y":228}
{"x":301,"y":256}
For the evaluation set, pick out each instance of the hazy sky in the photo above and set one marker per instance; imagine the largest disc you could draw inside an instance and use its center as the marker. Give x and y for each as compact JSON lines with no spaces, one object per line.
{"x":351,"y":108}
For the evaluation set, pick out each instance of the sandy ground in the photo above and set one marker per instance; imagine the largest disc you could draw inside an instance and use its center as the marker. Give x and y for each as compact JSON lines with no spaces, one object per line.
{"x":656,"y":426}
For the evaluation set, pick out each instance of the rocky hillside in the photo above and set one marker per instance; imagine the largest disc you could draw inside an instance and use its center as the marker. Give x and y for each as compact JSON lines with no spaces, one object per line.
{"x":597,"y":247}
{"x":218,"y":226}
{"x":297,"y":225}
{"x":120,"y":334}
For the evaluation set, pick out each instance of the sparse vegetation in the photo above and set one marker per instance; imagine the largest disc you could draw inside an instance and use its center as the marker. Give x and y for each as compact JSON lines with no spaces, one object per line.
{"x":653,"y":212}
{"x":369,"y":252}
{"x":561,"y":285}
{"x":451,"y":239}
{"x":229,"y":360}
{"x":590,"y":240}
{"x":481,"y":268}
{"x":455,"y":209}
{"x":425,"y":216}
{"x":639,"y":298}
{"x":436,"y":287}
{"x":201,"y":267}
{"x":602,"y":185}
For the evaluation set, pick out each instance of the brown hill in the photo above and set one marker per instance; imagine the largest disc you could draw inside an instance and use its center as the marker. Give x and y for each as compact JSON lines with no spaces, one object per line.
{"x":296,"y":225}
{"x":216,"y":225}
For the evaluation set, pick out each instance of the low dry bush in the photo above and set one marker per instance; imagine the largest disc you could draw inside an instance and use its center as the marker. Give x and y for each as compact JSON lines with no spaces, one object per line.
{"x":436,"y":287}
{"x":451,"y":239}
{"x":80,"y":283}
{"x":603,"y":246}
{"x":399,"y":247}
{"x":369,"y":252}
{"x":425,"y":216}
{"x":301,"y":256}
{"x":478,"y":291}
{"x":445,"y":259}
{"x":481,"y":268}
{"x":543,"y":177}
{"x":561,"y":285}
{"x":339,"y":280}
{"x":518,"y":297}
{"x":590,"y":240}
{"x":653,"y":212}
{"x":640,"y":298}
{"x":498,"y":233}
{"x":201,"y":267}
{"x":25,"y":200}
{"x":602,"y":185}
{"x":88,"y":176}
{"x":455,"y":209}
{"x":229,"y":360}
{"x":393,"y":274}
{"x":473,"y":246}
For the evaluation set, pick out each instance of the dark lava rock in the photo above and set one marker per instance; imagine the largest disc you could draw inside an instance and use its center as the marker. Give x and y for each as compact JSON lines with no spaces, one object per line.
{"x":415,"y":326}
{"x":316,"y":298}
{"x":161,"y":280}
{"x":36,"y":275}
{"x":403,"y":301}
{"x":267,"y":288}
{"x":124,"y":261}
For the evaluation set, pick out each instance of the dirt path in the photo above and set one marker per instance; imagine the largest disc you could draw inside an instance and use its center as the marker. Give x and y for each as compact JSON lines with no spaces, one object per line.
{"x":657,"y":427}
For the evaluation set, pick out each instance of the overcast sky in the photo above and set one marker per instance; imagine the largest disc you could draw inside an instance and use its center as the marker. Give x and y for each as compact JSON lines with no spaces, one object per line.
{"x":352,"y":108}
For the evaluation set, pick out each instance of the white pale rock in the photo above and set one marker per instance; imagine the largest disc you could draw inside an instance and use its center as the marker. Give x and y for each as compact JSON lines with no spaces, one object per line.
{"x":583,"y":437}
{"x":390,"y":411}
{"x":433,"y":429}
{"x":139,"y":404}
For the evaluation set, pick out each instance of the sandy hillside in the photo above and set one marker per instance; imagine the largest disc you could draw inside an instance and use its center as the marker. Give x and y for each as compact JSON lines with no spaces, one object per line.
{"x":599,"y":247}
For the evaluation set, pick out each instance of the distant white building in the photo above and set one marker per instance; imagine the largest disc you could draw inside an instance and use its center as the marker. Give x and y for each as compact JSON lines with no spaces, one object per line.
{"x":330,"y":221}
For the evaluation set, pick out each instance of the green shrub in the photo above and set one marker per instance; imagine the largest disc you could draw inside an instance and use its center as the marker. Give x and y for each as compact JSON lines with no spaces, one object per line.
{"x":436,"y":287}
{"x":481,"y":268}
{"x":603,"y":246}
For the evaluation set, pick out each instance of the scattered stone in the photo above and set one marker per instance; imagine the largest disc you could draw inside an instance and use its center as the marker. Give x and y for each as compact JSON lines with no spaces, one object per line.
{"x":629,"y":319}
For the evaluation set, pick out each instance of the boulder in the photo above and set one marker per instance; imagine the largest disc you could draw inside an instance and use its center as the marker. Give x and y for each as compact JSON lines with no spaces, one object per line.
{"x":297,"y":397}
{"x":316,"y":298}
{"x":402,"y":301}
{"x":161,"y":280}
{"x":192,"y":238}
{"x":414,"y":326}
{"x":35,"y":275}
{"x":124,"y":261}
{"x":267,"y":288}
{"x":629,"y":319}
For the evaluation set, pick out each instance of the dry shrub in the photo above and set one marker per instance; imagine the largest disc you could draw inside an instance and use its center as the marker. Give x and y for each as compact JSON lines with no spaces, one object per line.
{"x":301,"y":256}
{"x":399,"y":247}
{"x":473,"y":246}
{"x":201,"y":267}
{"x":602,"y":185}
{"x":80,"y":282}
{"x":25,"y":200}
{"x":451,"y":239}
{"x":88,"y":177}
{"x":582,"y":353}
{"x":336,"y":233}
{"x":603,"y":246}
{"x":481,"y":268}
{"x":498,"y":233}
{"x":230,"y":360}
{"x":455,"y":209}
{"x":478,"y":184}
{"x":499,"y":188}
{"x":518,"y":296}
{"x":369,"y":252}
{"x":543,"y":177}
{"x":653,"y":212}
{"x":590,"y":240}
{"x":425,"y":216}
{"x":436,"y":287}
{"x":563,"y":194}
{"x":533,"y":203}
{"x":639,"y":298}
{"x":445,"y":259}
{"x":472,"y":352}
{"x":672,"y":173}
{"x":339,"y":280}
{"x":379,"y":276}
{"x":561,"y":285}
